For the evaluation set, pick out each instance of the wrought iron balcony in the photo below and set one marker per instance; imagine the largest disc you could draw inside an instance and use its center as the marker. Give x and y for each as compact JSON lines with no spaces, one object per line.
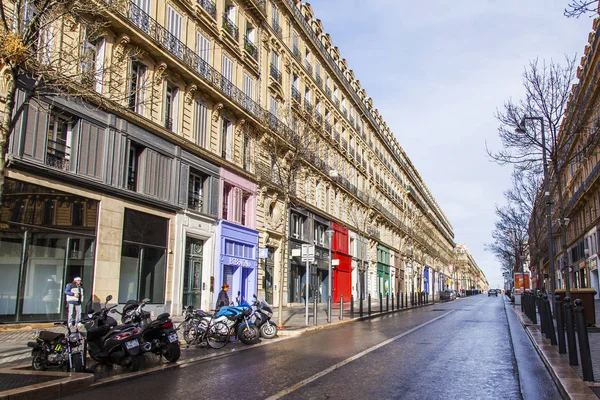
{"x":296,"y":95}
{"x":309,"y":67}
{"x":262,"y":5}
{"x":230,"y":27}
{"x":250,"y":48}
{"x":169,"y":123}
{"x":307,"y":106}
{"x":275,"y":74}
{"x":209,"y":6}
{"x":57,"y":154}
{"x":276,"y":27}
{"x":296,"y":53}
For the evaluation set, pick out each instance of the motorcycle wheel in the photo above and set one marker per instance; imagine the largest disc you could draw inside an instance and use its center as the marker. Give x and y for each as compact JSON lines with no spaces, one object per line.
{"x":248,"y":334}
{"x":218,"y":336}
{"x":268,"y":330}
{"x":38,"y":363}
{"x":77,"y":363}
{"x":134,"y":364}
{"x":172,"y":352}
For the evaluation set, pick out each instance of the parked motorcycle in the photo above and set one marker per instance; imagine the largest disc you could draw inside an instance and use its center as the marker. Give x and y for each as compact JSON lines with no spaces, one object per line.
{"x":201,"y":329}
{"x":110,"y":343}
{"x":262,"y":318}
{"x":52,"y":349}
{"x":237,"y":319}
{"x":158,"y":336}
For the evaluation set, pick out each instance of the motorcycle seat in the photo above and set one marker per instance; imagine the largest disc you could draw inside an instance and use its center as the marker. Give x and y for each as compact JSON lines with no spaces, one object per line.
{"x":119,"y":329}
{"x":51,"y":336}
{"x":163,"y":316}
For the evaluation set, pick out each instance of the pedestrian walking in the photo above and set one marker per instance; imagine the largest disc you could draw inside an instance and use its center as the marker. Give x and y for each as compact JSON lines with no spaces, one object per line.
{"x":223,"y":298}
{"x":74,"y":293}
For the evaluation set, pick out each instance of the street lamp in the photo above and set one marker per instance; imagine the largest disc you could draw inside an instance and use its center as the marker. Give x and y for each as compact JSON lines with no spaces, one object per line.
{"x":329,"y":233}
{"x":522,"y":129}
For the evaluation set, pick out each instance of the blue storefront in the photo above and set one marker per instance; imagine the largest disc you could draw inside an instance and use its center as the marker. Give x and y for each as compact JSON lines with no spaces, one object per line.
{"x":426,"y":280}
{"x":237,"y":252}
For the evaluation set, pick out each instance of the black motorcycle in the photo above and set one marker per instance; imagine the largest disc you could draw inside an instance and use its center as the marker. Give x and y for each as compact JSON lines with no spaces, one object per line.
{"x":158,"y":336}
{"x":52,"y":349}
{"x":262,"y":318}
{"x":110,"y":343}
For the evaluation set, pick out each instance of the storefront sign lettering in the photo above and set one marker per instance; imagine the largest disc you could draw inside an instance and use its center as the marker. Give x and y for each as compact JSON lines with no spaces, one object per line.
{"x":240,"y":262}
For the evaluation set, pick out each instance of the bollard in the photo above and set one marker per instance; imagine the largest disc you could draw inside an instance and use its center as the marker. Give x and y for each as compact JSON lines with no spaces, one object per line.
{"x":584,"y":342}
{"x":570,"y":327}
{"x":398,"y":294}
{"x":380,"y":302}
{"x":369,"y":305}
{"x":352,"y":306}
{"x":341,"y":308}
{"x":360,"y":306}
{"x":551,"y":334}
{"x":387,"y":302}
{"x":315,"y":310}
{"x":401,"y":301}
{"x":560,"y":325}
{"x":412,"y":296}
{"x":406,"y":300}
{"x":392,"y":301}
{"x":538,"y":303}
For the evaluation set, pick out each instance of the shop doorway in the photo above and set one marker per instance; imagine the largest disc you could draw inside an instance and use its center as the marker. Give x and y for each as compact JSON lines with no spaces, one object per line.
{"x":192,"y":273}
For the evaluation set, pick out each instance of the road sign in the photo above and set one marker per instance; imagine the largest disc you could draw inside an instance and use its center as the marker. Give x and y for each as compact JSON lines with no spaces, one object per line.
{"x":308,"y":253}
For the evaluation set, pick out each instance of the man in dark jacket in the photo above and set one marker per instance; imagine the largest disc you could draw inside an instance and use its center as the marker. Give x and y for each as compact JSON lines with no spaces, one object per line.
{"x":74,"y":294}
{"x":223,"y":299}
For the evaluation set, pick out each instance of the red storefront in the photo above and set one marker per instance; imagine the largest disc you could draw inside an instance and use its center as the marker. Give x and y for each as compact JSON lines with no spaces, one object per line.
{"x":342,"y":273}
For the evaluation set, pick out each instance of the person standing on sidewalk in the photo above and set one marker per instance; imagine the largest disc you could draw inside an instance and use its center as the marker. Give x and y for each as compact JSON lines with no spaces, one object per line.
{"x":223,"y":298}
{"x":74,"y":293}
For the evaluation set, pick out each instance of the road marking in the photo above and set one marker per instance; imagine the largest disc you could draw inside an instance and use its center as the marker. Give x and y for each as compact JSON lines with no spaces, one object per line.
{"x":318,"y":375}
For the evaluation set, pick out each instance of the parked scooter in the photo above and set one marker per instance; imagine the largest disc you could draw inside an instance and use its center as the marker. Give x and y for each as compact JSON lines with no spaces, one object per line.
{"x":52,"y":349}
{"x":158,"y":336}
{"x":237,"y":319}
{"x":262,"y":318}
{"x":109,"y":343}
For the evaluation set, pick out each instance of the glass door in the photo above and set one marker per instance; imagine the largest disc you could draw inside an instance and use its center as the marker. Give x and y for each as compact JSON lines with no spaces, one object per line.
{"x":192,"y":274}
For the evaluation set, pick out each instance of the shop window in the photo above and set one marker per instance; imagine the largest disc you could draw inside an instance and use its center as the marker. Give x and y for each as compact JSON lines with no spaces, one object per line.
{"x":143,"y":257}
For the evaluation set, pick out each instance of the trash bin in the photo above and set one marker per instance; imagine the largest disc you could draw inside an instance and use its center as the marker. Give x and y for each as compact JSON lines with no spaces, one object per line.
{"x":587,"y":296}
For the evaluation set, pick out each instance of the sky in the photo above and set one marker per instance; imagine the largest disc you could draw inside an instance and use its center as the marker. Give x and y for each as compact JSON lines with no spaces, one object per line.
{"x":437,"y":71}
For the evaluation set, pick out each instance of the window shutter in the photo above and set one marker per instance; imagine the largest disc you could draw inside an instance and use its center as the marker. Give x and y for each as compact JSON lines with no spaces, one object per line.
{"x":214,"y":196}
{"x":203,"y":47}
{"x":36,"y":127}
{"x":184,"y":180}
{"x":201,"y":123}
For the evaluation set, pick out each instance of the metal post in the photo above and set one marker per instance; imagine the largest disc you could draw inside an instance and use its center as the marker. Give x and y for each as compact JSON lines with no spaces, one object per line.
{"x":315,"y":310}
{"x":369,"y":305}
{"x":341,"y":308}
{"x":551,"y":334}
{"x":538,"y":301}
{"x":360,"y":306}
{"x":306,"y":292}
{"x":570,"y":326}
{"x":392,"y":301}
{"x":584,"y":342}
{"x":560,"y":324}
{"x":401,"y":301}
{"x":352,"y":306}
{"x":380,"y":302}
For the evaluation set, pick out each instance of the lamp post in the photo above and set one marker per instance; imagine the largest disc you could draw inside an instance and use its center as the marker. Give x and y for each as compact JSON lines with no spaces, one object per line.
{"x":522,"y":129}
{"x":329,"y":233}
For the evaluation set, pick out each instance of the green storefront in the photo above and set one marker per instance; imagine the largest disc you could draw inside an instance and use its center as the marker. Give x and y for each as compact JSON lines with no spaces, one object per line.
{"x":383,"y":270}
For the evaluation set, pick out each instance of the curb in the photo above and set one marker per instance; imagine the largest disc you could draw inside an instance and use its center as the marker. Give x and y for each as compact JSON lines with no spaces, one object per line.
{"x":569,"y":383}
{"x":70,"y":383}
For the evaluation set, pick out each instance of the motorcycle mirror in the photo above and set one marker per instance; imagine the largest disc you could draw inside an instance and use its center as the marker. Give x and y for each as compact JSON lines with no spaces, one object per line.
{"x":108,"y":298}
{"x":146,"y":300}
{"x":254,"y":296}
{"x":239,"y":292}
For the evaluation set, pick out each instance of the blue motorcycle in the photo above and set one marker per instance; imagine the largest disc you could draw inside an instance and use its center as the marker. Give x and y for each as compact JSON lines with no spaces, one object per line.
{"x":237,"y":319}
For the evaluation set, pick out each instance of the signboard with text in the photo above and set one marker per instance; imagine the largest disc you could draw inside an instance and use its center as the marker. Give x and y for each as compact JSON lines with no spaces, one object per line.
{"x":521,"y":282}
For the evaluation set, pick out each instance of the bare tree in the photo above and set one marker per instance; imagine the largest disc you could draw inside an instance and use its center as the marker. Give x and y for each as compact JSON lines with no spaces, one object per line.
{"x":46,"y":49}
{"x":547,"y":90}
{"x":577,"y":8}
{"x":285,"y":157}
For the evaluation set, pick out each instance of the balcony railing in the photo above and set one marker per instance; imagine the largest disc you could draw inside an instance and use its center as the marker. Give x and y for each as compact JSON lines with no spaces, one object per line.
{"x":262,"y":5}
{"x":319,"y":80}
{"x":351,"y":151}
{"x":351,"y":119}
{"x":250,"y":48}
{"x":358,"y":159}
{"x":57,"y":155}
{"x":275,"y":74}
{"x":309,"y":67}
{"x":318,"y":116}
{"x":230,"y":27}
{"x":195,"y":202}
{"x":307,"y":106}
{"x":166,"y":40}
{"x":169,"y":123}
{"x":276,"y":27}
{"x":209,"y":6}
{"x":328,"y":127}
{"x":296,"y":94}
{"x":296,"y":53}
{"x":336,"y":136}
{"x":344,"y":144}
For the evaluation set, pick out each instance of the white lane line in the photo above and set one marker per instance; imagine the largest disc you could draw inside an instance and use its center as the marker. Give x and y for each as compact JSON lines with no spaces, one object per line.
{"x":318,"y":375}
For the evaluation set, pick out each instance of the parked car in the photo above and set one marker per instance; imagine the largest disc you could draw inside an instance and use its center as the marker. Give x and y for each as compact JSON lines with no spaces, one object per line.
{"x":448,"y":294}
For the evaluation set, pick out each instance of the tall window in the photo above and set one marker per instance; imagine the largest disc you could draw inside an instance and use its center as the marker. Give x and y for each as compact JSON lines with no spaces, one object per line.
{"x":244,"y":208}
{"x":60,"y":134}
{"x":227,"y":189}
{"x":297,"y":226}
{"x":307,"y":188}
{"x":201,"y":123}
{"x":273,"y":106}
{"x":226,"y":139}
{"x":143,"y":257}
{"x":137,"y":82}
{"x":174,"y":22}
{"x":133,"y":165}
{"x":318,"y":193}
{"x":249,"y":87}
{"x":246,"y":152}
{"x":196,"y":191}
{"x":140,"y":14}
{"x":203,"y":47}
{"x":171,"y":110}
{"x":227,"y":69}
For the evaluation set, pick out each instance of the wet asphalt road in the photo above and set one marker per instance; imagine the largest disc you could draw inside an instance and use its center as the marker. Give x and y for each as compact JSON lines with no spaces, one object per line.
{"x":464,"y":349}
